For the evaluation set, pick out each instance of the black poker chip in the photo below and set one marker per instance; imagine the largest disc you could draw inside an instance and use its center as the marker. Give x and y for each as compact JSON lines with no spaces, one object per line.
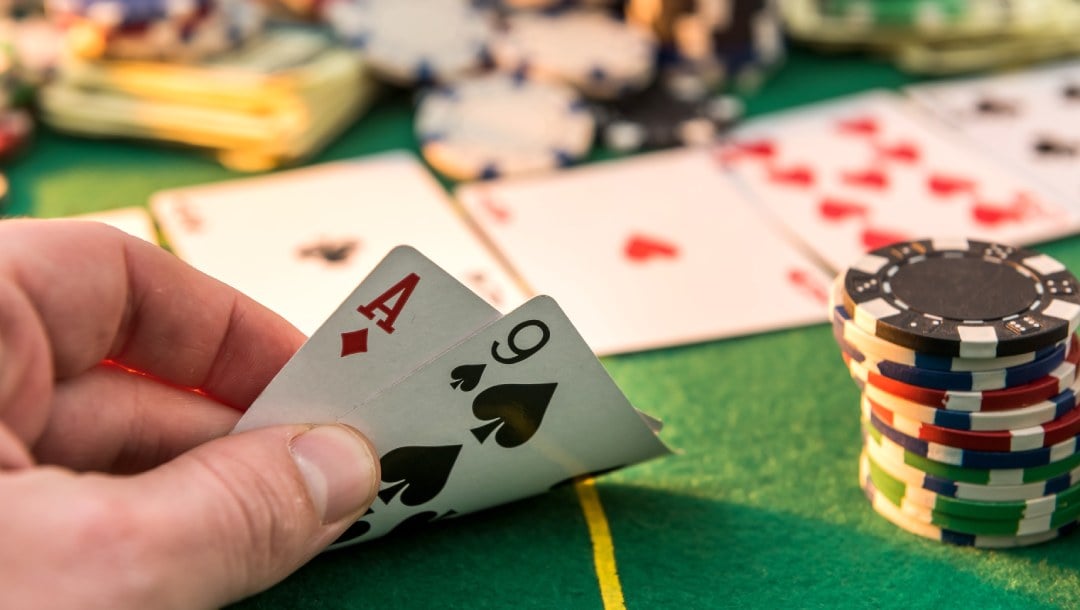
{"x":666,"y":115}
{"x":957,"y":297}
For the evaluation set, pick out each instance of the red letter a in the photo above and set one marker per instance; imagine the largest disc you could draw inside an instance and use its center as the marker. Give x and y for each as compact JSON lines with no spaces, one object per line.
{"x":399,"y":293}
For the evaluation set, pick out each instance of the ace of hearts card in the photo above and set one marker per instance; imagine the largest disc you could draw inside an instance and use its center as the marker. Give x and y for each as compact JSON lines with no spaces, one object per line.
{"x":652,"y":251}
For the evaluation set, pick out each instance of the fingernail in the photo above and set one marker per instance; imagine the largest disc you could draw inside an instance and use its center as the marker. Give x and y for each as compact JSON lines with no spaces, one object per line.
{"x":338,"y":468}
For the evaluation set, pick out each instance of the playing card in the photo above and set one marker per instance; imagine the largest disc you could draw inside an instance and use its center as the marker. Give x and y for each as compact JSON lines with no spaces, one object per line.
{"x":133,"y":221}
{"x":1030,"y":120}
{"x":514,"y":410}
{"x":857,"y":174}
{"x":651,"y":251}
{"x":406,"y":312}
{"x":299,"y":241}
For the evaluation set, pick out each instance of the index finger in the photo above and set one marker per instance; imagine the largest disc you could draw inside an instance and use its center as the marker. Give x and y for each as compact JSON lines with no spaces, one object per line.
{"x":100,"y":295}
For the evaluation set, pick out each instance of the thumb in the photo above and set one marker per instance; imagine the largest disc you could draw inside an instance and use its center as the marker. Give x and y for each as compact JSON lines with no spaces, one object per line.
{"x":236,"y":515}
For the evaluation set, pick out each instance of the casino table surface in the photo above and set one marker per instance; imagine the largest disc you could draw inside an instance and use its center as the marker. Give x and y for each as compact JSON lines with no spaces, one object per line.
{"x":760,"y":507}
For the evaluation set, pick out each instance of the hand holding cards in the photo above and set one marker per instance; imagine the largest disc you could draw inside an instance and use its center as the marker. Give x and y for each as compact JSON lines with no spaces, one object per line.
{"x":467,"y":410}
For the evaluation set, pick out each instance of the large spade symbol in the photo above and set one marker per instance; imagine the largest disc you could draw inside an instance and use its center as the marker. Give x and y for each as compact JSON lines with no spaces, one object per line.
{"x":418,"y":473}
{"x":517,"y":411}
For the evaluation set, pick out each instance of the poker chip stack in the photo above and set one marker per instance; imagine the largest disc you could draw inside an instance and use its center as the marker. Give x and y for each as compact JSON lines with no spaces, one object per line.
{"x":966,"y":356}
{"x":940,"y":36}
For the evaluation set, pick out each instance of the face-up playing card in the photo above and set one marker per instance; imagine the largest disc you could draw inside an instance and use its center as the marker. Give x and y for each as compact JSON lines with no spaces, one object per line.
{"x":863,"y":172}
{"x":404,"y":314}
{"x":648,"y":252}
{"x":134,"y":221}
{"x":1030,"y":120}
{"x":299,"y":241}
{"x":512,"y":411}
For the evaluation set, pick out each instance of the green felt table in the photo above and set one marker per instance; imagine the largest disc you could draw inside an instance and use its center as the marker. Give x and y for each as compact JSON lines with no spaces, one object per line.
{"x":760,"y":508}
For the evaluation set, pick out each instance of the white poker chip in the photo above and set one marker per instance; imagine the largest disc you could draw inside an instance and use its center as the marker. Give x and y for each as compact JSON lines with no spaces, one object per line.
{"x":413,"y":41}
{"x":600,"y":55}
{"x":502,"y":124}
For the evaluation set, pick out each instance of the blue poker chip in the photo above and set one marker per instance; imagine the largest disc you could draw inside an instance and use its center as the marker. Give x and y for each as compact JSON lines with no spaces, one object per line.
{"x":958,"y":297}
{"x":970,"y":458}
{"x":964,"y":381}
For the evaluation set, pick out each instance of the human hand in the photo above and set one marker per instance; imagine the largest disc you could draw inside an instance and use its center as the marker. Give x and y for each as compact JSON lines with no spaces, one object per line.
{"x":121,"y":371}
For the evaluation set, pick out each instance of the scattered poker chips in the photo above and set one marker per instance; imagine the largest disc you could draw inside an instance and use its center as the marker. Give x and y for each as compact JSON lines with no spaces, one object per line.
{"x":653,"y":72}
{"x":475,"y":128}
{"x":506,"y":79}
{"x":966,"y":355}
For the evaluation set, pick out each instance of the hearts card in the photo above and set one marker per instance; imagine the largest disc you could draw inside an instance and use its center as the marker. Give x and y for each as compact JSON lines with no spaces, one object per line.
{"x":859,"y":173}
{"x":1029,"y":120}
{"x":648,"y":252}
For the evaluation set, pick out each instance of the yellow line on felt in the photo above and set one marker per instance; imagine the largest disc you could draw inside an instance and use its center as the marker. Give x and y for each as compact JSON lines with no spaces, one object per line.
{"x":603,"y":547}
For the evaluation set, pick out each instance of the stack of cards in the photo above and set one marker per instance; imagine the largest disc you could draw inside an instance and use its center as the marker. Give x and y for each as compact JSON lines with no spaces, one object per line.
{"x":279,"y":99}
{"x":466,"y":409}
